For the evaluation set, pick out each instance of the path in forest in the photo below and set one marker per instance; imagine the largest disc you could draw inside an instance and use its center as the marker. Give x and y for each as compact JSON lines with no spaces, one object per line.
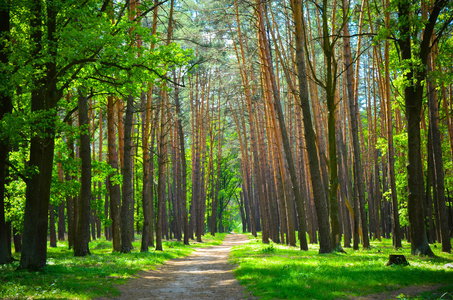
{"x":205,"y":274}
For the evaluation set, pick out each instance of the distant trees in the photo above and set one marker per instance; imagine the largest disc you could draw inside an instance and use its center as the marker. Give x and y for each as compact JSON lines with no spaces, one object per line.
{"x":258,"y":119}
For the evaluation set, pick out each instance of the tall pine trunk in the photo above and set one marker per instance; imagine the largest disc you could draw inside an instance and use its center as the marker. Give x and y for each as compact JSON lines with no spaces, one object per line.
{"x":325,"y":245}
{"x":127,"y":225}
{"x":113,"y":186}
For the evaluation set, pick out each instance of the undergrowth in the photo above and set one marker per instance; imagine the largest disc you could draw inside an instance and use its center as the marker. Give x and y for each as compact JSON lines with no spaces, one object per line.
{"x":69,"y":277}
{"x":273,"y":271}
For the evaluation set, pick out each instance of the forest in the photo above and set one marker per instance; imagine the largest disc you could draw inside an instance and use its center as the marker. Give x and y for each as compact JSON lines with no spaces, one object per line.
{"x":325,"y":122}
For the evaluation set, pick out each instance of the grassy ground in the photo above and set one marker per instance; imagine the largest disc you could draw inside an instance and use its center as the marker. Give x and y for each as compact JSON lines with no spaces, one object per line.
{"x":279,"y":272}
{"x":69,"y":277}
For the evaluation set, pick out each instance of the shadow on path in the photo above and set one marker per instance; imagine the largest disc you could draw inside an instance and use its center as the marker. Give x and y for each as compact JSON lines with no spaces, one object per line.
{"x":205,"y":274}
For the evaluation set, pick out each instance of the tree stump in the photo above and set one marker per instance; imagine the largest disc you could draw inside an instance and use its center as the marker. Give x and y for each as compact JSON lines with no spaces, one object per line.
{"x":396,"y":259}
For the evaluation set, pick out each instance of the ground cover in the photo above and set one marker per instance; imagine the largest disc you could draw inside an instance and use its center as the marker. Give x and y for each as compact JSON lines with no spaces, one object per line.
{"x":69,"y":277}
{"x":280,"y":272}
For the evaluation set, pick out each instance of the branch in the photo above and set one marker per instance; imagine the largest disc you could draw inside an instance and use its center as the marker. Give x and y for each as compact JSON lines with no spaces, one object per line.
{"x":76,"y":62}
{"x":355,"y":35}
{"x":69,"y":114}
{"x":73,"y":77}
{"x":121,"y":14}
{"x":143,"y":14}
{"x":105,"y":5}
{"x":429,"y":29}
{"x":441,"y":31}
{"x":163,"y":77}
{"x":20,"y":174}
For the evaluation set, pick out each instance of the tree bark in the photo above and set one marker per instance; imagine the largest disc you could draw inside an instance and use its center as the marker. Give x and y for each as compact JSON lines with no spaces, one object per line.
{"x":359,"y":181}
{"x":69,"y":198}
{"x":82,"y":238}
{"x":5,"y":108}
{"x":161,"y":161}
{"x":127,"y":212}
{"x":438,"y":167}
{"x":43,"y":101}
{"x":325,"y":245}
{"x":183,"y":167}
{"x":258,"y":185}
{"x":52,"y":228}
{"x":413,"y":97}
{"x":147,"y":192}
{"x":391,"y":153}
{"x":113,"y":187}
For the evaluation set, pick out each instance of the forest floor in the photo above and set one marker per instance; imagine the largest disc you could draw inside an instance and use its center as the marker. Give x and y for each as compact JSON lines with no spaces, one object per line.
{"x":410,"y":291}
{"x":205,"y":274}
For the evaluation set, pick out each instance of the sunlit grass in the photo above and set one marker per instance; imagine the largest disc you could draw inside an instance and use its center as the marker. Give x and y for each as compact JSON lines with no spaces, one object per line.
{"x":280,"y":272}
{"x":69,"y":277}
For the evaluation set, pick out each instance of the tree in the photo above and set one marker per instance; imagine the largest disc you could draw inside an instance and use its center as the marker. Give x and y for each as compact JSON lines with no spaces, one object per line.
{"x":438,"y":168}
{"x":390,"y":156}
{"x":62,"y":42}
{"x":113,"y":186}
{"x":325,"y":243}
{"x":44,"y":98}
{"x":5,"y":109}
{"x":283,"y":131}
{"x":415,"y":61}
{"x":82,"y":238}
{"x":359,"y":182}
{"x":127,"y":226}
{"x":183,"y":166}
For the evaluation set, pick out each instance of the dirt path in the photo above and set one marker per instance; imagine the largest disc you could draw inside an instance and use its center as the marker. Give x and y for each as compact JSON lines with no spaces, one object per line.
{"x":206,"y":274}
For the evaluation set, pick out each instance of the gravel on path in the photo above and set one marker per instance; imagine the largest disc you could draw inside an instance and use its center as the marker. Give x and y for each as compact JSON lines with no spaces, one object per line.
{"x":205,"y":274}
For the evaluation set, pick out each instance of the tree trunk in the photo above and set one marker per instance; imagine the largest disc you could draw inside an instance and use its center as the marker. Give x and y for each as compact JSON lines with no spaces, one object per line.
{"x":61,"y":222}
{"x":219,"y":167}
{"x":258,"y":185}
{"x":61,"y":206}
{"x":160,"y":185}
{"x":69,"y":198}
{"x":82,"y":239}
{"x":5,"y":108}
{"x":43,"y":101}
{"x":42,"y":146}
{"x":113,"y":186}
{"x":438,"y":167}
{"x":413,"y":96}
{"x":127,"y":212}
{"x":147,"y":192}
{"x":52,"y":228}
{"x":359,"y":181}
{"x":325,"y":245}
{"x":396,"y":234}
{"x":183,"y":167}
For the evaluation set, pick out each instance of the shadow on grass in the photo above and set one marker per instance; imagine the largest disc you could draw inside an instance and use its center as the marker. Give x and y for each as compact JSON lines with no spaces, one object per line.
{"x":69,"y":277}
{"x":286,"y":273}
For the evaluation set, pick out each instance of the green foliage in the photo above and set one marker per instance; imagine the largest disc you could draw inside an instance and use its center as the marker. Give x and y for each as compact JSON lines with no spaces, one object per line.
{"x":280,"y":272}
{"x":400,"y":144}
{"x":15,"y":203}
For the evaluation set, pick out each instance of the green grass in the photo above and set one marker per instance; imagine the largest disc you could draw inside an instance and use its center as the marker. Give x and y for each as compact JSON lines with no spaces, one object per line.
{"x":280,"y":272}
{"x":69,"y":277}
